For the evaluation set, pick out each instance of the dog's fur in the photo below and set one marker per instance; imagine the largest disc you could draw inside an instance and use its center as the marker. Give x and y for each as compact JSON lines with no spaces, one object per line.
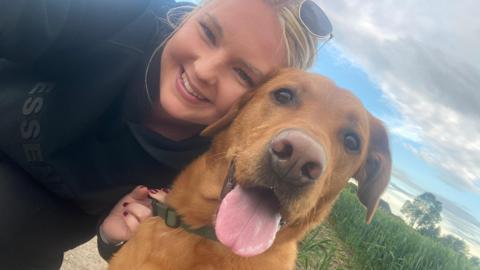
{"x":321,"y":110}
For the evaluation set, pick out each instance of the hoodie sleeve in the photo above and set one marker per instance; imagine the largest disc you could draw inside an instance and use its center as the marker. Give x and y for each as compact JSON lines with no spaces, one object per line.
{"x":31,"y":28}
{"x":105,"y":249}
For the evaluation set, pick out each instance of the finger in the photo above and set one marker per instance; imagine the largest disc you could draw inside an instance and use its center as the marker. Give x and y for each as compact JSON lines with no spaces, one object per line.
{"x":159,"y":195}
{"x":132,"y":223}
{"x":130,"y":198}
{"x":146,"y":202}
{"x":140,"y":211}
{"x":139,"y":193}
{"x":115,"y":229}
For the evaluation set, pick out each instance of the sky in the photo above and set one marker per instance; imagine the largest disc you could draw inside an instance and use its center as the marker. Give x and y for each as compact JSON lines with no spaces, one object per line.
{"x":416,"y":66}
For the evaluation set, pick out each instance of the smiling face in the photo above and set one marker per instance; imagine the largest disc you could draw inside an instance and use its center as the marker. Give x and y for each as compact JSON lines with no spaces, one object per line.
{"x":224,"y":50}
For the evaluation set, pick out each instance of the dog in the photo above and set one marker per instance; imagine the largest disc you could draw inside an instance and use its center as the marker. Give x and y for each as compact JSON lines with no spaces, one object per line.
{"x":278,"y":161}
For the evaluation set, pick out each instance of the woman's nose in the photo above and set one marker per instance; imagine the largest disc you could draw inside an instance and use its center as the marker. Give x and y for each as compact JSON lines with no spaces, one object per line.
{"x":208,"y":67}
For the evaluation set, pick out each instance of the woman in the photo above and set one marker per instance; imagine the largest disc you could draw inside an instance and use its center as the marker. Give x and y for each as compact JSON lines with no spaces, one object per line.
{"x":99,"y":96}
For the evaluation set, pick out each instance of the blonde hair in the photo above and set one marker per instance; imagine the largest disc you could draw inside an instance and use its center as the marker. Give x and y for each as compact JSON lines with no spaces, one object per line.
{"x":301,"y":46}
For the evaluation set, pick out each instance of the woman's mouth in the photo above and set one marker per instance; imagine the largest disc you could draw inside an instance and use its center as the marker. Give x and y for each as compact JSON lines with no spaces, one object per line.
{"x":187,"y":91}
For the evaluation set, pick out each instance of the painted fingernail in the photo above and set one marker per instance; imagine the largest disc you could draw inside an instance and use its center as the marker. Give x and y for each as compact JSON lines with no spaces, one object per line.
{"x":166,"y":190}
{"x":125,"y":213}
{"x":125,"y":204}
{"x":153,"y":191}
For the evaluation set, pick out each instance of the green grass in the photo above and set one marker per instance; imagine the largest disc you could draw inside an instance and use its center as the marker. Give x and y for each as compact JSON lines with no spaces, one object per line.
{"x":315,"y":252}
{"x":346,"y":242}
{"x":322,"y":250}
{"x":388,"y":243}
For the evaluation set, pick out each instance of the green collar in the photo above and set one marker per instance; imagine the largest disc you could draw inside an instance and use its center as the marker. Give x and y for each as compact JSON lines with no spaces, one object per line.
{"x":173,"y":220}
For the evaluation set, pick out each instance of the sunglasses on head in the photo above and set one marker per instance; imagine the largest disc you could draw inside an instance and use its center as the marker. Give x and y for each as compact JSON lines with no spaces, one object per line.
{"x":315,"y":20}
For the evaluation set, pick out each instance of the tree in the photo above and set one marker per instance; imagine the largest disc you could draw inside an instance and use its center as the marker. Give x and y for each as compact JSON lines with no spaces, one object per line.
{"x":432,"y":231}
{"x":455,"y":243}
{"x":384,"y":206}
{"x":475,"y":261}
{"x":423,"y":214}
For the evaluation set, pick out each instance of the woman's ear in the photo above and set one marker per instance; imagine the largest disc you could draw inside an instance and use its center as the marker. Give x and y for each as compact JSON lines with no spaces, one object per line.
{"x":374,"y":175}
{"x":225,"y":120}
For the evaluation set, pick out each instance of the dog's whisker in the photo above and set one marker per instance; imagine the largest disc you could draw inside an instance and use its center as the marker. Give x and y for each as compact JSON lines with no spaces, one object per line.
{"x":219,"y":156}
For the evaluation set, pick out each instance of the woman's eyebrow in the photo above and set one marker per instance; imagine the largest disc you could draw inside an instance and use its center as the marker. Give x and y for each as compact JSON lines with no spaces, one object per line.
{"x":255,"y":70}
{"x":215,"y":24}
{"x":217,"y":28}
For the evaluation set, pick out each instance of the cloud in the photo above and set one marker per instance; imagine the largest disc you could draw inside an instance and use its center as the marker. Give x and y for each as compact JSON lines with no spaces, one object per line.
{"x":407,"y":181}
{"x":425,"y":59}
{"x":457,"y":221}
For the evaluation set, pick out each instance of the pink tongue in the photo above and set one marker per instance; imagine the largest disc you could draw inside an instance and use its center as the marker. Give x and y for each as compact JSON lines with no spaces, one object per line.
{"x":247,"y":221}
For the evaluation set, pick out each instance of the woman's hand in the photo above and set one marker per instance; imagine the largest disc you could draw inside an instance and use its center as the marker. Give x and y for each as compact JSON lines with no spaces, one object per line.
{"x":128,"y":213}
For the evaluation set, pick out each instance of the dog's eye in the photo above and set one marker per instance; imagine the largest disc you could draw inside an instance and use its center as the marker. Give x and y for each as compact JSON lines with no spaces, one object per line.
{"x":351,"y":142}
{"x":284,"y":96}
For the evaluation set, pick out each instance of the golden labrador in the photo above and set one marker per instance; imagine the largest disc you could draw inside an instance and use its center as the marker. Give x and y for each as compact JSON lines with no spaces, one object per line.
{"x":278,"y":161}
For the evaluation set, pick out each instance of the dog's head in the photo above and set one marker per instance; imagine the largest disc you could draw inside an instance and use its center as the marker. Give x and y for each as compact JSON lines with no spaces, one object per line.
{"x":292,"y":146}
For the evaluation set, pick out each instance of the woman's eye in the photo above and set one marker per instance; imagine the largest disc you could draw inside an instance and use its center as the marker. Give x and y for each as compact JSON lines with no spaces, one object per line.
{"x":284,"y":96}
{"x":244,"y":77}
{"x":351,"y":142}
{"x":208,"y":33}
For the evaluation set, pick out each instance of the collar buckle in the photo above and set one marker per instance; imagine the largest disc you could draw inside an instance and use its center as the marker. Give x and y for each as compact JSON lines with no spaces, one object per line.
{"x":171,"y":218}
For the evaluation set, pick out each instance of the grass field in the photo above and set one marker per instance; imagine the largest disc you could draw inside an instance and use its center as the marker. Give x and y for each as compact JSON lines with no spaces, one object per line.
{"x":346,"y":242}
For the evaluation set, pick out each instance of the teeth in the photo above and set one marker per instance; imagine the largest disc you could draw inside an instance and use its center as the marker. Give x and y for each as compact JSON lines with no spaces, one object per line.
{"x":189,"y":89}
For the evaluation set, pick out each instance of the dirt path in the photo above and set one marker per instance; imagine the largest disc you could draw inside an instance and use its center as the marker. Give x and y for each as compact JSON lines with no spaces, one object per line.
{"x":84,"y":257}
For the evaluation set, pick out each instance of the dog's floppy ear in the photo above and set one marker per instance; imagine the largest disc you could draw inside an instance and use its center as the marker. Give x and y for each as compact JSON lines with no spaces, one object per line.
{"x":374,"y":175}
{"x":225,"y":120}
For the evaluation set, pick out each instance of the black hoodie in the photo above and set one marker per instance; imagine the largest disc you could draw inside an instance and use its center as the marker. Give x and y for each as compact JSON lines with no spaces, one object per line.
{"x":72,"y":97}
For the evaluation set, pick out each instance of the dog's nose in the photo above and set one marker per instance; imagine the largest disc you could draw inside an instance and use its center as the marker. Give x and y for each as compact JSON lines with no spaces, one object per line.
{"x":296,"y":157}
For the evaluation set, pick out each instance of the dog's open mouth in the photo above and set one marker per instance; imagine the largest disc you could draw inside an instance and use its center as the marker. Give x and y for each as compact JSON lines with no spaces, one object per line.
{"x":248,"y":217}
